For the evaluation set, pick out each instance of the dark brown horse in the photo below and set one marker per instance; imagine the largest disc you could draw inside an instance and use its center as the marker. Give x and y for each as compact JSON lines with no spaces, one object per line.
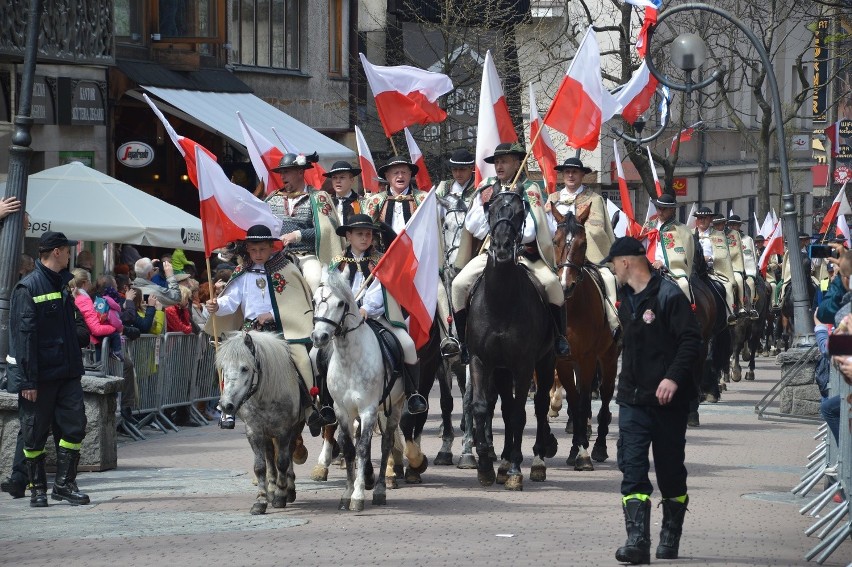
{"x":593,"y":349}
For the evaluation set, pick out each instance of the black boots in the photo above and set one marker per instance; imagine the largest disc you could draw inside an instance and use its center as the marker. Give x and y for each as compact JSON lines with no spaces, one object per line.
{"x":416,"y":402}
{"x":38,"y":482}
{"x":637,"y":520}
{"x":560,"y":322}
{"x":65,"y":485}
{"x":460,"y":319}
{"x":673,"y":513}
{"x":325,"y":414}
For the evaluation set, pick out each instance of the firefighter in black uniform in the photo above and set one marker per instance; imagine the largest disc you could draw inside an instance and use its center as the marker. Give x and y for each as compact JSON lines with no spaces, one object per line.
{"x":47,"y":367}
{"x":661,"y":344}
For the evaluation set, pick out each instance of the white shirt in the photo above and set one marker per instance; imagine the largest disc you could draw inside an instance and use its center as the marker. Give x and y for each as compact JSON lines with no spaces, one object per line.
{"x":564,"y":204}
{"x":340,"y":205}
{"x":246,"y":293}
{"x":398,"y":220}
{"x":476,"y":223}
{"x":706,"y":245}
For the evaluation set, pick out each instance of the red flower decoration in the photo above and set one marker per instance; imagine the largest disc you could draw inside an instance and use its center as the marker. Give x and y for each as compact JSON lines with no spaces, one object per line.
{"x":314,"y":391}
{"x":278,"y":282}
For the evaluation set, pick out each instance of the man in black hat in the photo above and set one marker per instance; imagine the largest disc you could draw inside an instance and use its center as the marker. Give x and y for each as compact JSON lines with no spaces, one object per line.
{"x":395,"y":206}
{"x":308,"y":217}
{"x":735,"y":246}
{"x":461,"y":186}
{"x":345,"y":199}
{"x":356,"y":264}
{"x":783,"y":287}
{"x":748,"y":259}
{"x":655,"y":386}
{"x":537,"y":238}
{"x":714,"y":246}
{"x":670,"y":243}
{"x":45,"y":370}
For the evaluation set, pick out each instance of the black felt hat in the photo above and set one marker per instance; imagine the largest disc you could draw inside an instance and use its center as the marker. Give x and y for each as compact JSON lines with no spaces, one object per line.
{"x":259,"y":233}
{"x":297,"y":161}
{"x":397,"y":160}
{"x":666,"y":201}
{"x":703,"y":212}
{"x":734,"y":219}
{"x":357,"y":221}
{"x":573,"y":163}
{"x":507,"y":149}
{"x":461,"y":158}
{"x":624,"y":246}
{"x":342,"y":167}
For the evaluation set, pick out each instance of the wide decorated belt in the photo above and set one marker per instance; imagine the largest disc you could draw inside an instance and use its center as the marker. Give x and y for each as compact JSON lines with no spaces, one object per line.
{"x":254,"y":325}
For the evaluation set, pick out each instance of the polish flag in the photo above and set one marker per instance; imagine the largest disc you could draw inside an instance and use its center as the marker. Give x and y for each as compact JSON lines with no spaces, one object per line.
{"x":409,"y":269}
{"x":690,"y":218}
{"x":406,"y":95}
{"x":685,"y":135}
{"x":839,"y":206}
{"x":494,"y":124}
{"x":582,"y":104}
{"x":542,"y":148}
{"x":227,"y":210}
{"x":424,"y":182}
{"x":833,"y":138}
{"x":843,"y":229}
{"x":314,"y":176}
{"x":632,"y":227}
{"x":774,"y":245}
{"x":369,"y":177}
{"x":264,"y":156}
{"x":635,"y":97}
{"x":649,"y":21}
{"x":185,"y":146}
{"x":766,"y":227}
{"x":652,"y":236}
{"x":621,"y":224}
{"x":657,"y":185}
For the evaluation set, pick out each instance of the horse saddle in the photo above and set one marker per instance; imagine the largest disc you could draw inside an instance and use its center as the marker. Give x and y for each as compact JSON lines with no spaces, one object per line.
{"x":389,"y":345}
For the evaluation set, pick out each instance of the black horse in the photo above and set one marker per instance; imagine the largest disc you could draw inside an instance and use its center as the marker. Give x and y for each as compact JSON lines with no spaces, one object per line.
{"x":510,"y":335}
{"x":746,"y":334}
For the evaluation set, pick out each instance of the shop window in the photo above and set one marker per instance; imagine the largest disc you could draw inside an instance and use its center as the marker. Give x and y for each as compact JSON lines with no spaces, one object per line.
{"x":266,"y":33}
{"x":129,"y":21}
{"x":187,"y":18}
{"x":335,"y":37}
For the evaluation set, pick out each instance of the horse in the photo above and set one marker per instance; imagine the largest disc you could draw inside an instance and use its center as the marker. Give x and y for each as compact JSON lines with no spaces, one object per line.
{"x":359,"y":381}
{"x":746,"y":334}
{"x":510,"y":335}
{"x":261,"y":386}
{"x":593,"y":347}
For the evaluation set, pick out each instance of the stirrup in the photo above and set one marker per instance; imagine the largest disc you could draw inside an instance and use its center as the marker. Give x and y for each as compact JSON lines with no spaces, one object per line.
{"x":417,"y":398}
{"x":226,"y":421}
{"x":753,"y":314}
{"x":327,"y":415}
{"x":450,"y":347}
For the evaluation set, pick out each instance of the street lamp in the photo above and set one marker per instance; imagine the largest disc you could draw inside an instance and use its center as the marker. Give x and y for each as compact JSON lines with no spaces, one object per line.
{"x":688,"y":52}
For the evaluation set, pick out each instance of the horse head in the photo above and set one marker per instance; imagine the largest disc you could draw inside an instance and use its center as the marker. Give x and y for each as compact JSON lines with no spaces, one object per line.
{"x":569,"y":246}
{"x":334,"y":304}
{"x":239,"y":363}
{"x":507,"y":213}
{"x":451,"y":230}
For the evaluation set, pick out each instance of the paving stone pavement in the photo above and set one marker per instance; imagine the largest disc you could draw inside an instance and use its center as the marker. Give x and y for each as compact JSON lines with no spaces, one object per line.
{"x":183,"y":498}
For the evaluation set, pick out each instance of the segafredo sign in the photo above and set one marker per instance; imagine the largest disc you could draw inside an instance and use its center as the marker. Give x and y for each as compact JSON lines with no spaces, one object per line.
{"x":135,"y":154}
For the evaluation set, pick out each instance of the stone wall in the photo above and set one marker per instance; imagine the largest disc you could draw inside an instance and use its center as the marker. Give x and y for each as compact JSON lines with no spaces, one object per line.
{"x":801,"y":395}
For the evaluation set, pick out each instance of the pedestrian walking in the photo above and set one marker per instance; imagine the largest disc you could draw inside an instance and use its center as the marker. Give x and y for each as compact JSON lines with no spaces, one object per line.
{"x":661,"y":344}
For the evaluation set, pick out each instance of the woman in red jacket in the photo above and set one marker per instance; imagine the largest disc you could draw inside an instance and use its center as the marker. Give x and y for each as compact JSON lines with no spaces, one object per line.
{"x":179,"y":317}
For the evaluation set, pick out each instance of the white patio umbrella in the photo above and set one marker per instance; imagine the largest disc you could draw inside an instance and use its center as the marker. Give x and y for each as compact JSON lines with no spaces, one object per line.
{"x":86,"y":204}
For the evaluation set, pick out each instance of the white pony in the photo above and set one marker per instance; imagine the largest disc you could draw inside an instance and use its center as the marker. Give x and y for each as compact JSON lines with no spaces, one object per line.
{"x":261,"y":385}
{"x":356,"y":382}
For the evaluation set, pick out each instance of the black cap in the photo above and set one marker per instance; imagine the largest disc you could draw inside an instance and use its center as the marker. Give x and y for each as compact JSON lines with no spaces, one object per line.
{"x":734,"y":219}
{"x":357,"y":221}
{"x":461,"y":158}
{"x":719,"y":217}
{"x":624,"y":246}
{"x":760,"y":238}
{"x":297,"y":161}
{"x":507,"y":149}
{"x":50,"y":240}
{"x":703,"y":212}
{"x":259,"y":233}
{"x":666,"y":201}
{"x":397,"y":160}
{"x":342,"y":167}
{"x":573,"y":163}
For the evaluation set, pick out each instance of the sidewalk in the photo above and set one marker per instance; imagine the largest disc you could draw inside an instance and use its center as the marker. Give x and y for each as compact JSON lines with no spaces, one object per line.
{"x":184,"y":498}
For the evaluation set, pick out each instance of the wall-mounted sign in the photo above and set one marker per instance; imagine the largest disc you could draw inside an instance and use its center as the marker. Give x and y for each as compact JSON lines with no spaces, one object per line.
{"x":43,"y":110}
{"x":81,"y":102}
{"x":842,"y":174}
{"x":134,"y":154}
{"x":680,"y":186}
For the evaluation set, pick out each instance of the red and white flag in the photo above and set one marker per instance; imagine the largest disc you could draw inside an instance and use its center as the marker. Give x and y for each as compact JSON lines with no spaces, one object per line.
{"x":685,"y":135}
{"x":622,"y":225}
{"x":832,"y":137}
{"x":406,"y":95}
{"x":691,"y":218}
{"x":582,"y":104}
{"x":650,"y":235}
{"x":767,"y":226}
{"x":774,"y":245}
{"x":635,"y":97}
{"x":843,"y":229}
{"x":185,"y":146}
{"x":369,"y":177}
{"x":314,"y":176}
{"x":494,"y":124}
{"x":626,"y":203}
{"x":264,"y":156}
{"x":657,"y":186}
{"x":542,"y":148}
{"x":651,"y":9}
{"x":227,"y":210}
{"x":409,"y":269}
{"x":424,"y":182}
{"x":840,"y":206}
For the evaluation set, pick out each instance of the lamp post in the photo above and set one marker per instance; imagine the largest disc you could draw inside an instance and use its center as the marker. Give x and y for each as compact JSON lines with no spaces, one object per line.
{"x":12,"y":233}
{"x":688,"y":52}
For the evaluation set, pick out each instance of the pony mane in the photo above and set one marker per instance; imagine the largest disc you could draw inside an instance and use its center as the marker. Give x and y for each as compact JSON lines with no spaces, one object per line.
{"x":273,"y":355}
{"x":340,"y":288}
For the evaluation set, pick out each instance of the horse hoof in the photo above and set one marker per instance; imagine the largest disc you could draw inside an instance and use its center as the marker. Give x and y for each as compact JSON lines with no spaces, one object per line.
{"x":356,"y":505}
{"x":503,"y":472}
{"x":412,"y":477}
{"x":711,"y":398}
{"x":380,"y":499}
{"x":583,"y":464}
{"x":551,"y":413}
{"x":467,"y":461}
{"x":391,"y":483}
{"x":538,"y":473}
{"x":291,"y":495}
{"x":319,"y":474}
{"x":692,"y":419}
{"x":599,"y":454}
{"x":486,"y":478}
{"x":424,"y":464}
{"x":300,"y":455}
{"x":279,"y":502}
{"x":444,"y":459}
{"x":572,"y":457}
{"x":749,"y":375}
{"x":258,"y":509}
{"x":344,"y":504}
{"x":552,"y":447}
{"x":515,"y":482}
{"x":736,"y":376}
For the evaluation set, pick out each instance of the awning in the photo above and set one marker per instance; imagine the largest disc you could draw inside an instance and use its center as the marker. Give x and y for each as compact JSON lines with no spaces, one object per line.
{"x":217,"y":112}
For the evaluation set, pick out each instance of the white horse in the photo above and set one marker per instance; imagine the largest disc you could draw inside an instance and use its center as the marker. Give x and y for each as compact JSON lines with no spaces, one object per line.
{"x":261,"y":386}
{"x":356,"y":381}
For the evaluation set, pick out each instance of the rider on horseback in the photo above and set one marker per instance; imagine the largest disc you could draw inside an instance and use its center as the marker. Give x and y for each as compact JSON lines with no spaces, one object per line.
{"x":670,"y":243}
{"x":575,"y":198}
{"x":396,"y":205}
{"x":537,"y":254}
{"x":786,"y":273}
{"x":749,"y":259}
{"x":356,"y":264}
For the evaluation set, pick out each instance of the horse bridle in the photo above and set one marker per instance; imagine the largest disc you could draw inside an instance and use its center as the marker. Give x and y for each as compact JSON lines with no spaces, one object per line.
{"x":581,"y":270}
{"x":456,"y":210}
{"x":258,"y":371}
{"x":340,"y":329}
{"x":519,"y":232}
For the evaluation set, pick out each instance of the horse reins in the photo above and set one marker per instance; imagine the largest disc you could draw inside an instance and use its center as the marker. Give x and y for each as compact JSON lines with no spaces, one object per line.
{"x":518,"y":232}
{"x":258,"y":372}
{"x":339,"y":329}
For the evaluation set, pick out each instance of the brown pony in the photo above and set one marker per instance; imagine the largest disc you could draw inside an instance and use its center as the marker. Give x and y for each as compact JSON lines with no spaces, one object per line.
{"x":593,"y":348}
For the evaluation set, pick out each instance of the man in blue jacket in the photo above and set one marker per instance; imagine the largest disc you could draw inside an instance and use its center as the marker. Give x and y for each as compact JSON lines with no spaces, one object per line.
{"x":661,"y":345}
